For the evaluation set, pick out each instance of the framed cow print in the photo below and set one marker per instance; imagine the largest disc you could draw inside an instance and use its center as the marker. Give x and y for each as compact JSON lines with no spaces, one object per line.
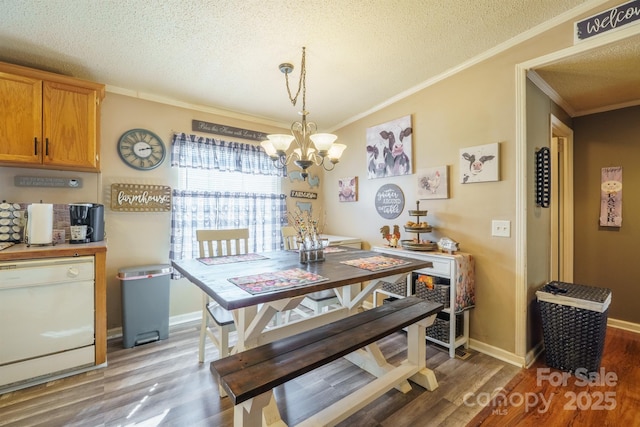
{"x":389,"y":148}
{"x":479,"y":163}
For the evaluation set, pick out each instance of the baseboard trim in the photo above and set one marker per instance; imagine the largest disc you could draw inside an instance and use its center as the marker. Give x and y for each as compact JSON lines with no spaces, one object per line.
{"x":533,"y":354}
{"x":623,"y":324}
{"x":497,"y":353}
{"x":179,"y":319}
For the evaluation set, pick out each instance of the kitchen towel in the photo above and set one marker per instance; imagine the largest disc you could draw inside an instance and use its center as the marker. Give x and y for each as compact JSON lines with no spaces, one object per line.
{"x":40,"y":223}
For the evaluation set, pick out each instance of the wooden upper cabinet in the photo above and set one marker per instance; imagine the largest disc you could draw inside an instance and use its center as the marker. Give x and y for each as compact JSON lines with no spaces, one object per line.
{"x":70,"y":131}
{"x":48,"y":120}
{"x":20,"y":119}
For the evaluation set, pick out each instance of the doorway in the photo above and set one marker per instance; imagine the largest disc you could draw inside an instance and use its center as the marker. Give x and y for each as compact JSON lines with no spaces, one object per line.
{"x":524,"y":296}
{"x":561,"y":221}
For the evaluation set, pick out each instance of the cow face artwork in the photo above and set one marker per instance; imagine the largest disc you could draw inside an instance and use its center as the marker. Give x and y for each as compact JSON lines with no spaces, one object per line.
{"x":479,"y":164}
{"x":389,"y":148}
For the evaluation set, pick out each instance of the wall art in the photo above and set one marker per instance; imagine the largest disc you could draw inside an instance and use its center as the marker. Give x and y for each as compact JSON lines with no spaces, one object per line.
{"x":389,"y":148}
{"x":218,"y":129}
{"x":611,"y":197}
{"x":433,"y":183}
{"x":480,"y":163}
{"x":348,"y":189}
{"x":140,"y":198}
{"x":389,"y":201}
{"x":304,"y":194}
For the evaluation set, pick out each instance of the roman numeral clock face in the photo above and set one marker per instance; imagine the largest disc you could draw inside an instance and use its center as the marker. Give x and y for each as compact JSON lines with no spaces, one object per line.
{"x":141,"y":149}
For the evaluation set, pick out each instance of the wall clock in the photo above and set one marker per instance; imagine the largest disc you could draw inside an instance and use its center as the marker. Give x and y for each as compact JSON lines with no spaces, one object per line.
{"x":141,"y":149}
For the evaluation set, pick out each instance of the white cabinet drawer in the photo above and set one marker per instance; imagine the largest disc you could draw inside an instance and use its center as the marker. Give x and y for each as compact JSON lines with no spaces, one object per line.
{"x":440,"y":268}
{"x":45,"y":271}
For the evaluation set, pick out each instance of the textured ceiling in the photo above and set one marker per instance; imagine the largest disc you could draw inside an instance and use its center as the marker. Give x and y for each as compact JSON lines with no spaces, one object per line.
{"x":224,"y":54}
{"x":604,"y":77}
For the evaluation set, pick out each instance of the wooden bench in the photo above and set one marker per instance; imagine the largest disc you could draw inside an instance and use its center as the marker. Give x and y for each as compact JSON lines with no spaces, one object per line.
{"x":250,"y":376}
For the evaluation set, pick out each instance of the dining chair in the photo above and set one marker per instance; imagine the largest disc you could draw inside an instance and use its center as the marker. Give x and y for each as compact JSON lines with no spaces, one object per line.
{"x":289,"y":237}
{"x":316,"y":301}
{"x":217,"y":322}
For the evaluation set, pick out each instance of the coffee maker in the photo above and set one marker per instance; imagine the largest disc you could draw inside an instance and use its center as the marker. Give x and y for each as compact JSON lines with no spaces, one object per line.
{"x":89,"y":215}
{"x":96,"y":222}
{"x":80,"y":227}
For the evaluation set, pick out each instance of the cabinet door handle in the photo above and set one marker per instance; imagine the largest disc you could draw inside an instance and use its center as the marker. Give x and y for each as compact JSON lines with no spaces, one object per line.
{"x":46,"y":150}
{"x":35,"y":145}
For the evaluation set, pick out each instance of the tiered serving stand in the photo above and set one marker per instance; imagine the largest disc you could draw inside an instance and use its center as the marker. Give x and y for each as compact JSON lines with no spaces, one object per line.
{"x":418,"y":246}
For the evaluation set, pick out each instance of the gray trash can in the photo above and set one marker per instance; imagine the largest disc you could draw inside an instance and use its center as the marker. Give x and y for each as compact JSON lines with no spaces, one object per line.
{"x":145,"y":303}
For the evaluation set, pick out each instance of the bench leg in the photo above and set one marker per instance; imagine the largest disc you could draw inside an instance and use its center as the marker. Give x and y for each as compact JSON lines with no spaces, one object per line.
{"x":373,"y":361}
{"x":384,"y":367}
{"x":258,"y":411}
{"x":417,"y":354}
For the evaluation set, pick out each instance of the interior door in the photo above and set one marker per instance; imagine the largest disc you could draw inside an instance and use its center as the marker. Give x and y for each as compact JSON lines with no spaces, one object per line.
{"x":561,"y":263}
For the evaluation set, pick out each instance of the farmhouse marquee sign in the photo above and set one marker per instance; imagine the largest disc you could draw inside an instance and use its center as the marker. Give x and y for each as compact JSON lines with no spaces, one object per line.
{"x":140,"y":198}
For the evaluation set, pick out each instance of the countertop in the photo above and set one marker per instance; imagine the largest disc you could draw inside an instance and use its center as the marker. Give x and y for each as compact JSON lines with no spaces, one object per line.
{"x":21,"y":251}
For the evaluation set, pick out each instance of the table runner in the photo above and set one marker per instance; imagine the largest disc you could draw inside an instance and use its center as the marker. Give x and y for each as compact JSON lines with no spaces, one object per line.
{"x":230,"y":258}
{"x":465,"y":282}
{"x":278,"y":280}
{"x":375,"y":263}
{"x":333,"y":249}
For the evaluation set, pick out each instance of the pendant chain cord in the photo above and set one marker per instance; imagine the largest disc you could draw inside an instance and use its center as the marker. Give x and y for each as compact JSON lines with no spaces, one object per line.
{"x":302,"y":83}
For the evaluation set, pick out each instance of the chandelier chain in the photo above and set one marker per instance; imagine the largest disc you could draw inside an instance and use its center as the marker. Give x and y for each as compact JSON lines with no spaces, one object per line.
{"x":302,"y":83}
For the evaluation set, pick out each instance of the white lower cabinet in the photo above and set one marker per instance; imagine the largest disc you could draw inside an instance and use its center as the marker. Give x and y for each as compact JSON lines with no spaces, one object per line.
{"x":450,"y":281}
{"x":47,"y":317}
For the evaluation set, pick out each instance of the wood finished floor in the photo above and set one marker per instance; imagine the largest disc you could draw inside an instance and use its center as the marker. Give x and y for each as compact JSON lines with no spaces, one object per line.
{"x":162,"y":384}
{"x":613,"y":399}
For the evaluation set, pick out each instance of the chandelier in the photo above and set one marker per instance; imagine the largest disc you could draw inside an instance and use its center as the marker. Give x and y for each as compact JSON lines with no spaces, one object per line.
{"x":312,"y":148}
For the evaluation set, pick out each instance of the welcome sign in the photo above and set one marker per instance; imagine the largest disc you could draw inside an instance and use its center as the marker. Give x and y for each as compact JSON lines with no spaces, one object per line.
{"x":612,"y":19}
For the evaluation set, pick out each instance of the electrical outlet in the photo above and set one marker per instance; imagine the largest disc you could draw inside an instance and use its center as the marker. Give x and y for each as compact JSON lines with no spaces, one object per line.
{"x":501,"y":228}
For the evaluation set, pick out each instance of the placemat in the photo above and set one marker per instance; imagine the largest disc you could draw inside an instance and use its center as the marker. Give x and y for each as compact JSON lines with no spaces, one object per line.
{"x":230,"y":258}
{"x":279,"y":280}
{"x":375,"y":263}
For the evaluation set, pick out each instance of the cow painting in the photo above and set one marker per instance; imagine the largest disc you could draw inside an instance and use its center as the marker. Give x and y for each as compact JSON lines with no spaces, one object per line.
{"x":479,"y":164}
{"x":389,"y":148}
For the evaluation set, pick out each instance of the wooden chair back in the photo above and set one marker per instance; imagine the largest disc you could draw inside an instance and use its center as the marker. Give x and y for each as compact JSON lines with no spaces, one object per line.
{"x":215,"y":243}
{"x":289,"y":237}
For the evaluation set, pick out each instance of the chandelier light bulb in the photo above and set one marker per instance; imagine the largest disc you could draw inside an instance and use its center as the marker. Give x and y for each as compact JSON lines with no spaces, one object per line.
{"x":335,"y":152}
{"x":323,"y":141}
{"x":280,"y":142}
{"x":269,"y":148}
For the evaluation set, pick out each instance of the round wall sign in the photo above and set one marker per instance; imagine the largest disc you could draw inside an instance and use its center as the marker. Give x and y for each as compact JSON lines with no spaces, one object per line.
{"x":389,"y":201}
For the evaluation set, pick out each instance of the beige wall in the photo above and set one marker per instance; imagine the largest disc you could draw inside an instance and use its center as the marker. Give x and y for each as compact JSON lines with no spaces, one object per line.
{"x":606,"y":256}
{"x":137,"y":238}
{"x":473,"y":107}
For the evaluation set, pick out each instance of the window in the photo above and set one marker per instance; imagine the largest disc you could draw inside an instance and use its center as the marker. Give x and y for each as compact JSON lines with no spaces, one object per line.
{"x":224,"y":185}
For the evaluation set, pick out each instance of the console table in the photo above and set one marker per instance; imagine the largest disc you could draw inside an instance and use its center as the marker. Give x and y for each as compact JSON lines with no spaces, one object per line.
{"x":459,"y":269}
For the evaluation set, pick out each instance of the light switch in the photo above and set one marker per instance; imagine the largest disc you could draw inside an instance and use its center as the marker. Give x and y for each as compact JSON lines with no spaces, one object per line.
{"x":501,"y":228}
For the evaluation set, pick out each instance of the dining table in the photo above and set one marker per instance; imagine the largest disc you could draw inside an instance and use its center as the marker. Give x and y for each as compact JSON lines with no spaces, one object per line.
{"x":255,"y":287}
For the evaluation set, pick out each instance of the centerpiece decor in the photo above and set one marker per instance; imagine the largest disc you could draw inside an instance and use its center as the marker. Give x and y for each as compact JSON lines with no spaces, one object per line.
{"x":310,"y":244}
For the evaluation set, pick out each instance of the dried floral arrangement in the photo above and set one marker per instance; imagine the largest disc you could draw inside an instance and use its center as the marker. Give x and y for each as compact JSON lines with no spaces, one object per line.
{"x":309,"y":230}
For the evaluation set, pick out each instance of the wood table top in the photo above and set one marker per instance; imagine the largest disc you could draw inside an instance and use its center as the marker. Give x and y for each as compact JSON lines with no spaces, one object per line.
{"x":213,"y":279}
